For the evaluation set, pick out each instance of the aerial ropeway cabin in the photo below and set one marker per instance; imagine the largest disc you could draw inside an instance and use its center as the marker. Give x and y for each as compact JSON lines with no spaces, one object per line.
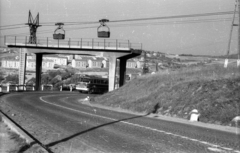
{"x":59,"y":35}
{"x":103,"y":29}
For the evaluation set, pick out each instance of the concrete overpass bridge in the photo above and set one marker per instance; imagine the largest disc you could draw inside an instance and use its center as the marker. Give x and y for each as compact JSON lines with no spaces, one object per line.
{"x":112,"y":49}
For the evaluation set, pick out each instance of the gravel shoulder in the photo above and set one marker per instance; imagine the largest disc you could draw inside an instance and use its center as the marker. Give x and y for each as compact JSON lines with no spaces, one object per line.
{"x":7,"y":144}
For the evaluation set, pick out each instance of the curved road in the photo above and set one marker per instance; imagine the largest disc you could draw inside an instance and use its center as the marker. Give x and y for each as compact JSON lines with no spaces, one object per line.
{"x":61,"y":122}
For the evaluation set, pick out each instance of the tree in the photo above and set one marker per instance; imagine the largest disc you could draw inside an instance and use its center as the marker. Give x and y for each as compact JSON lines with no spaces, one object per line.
{"x":32,"y":81}
{"x":12,"y":78}
{"x":46,"y":78}
{"x":1,"y":76}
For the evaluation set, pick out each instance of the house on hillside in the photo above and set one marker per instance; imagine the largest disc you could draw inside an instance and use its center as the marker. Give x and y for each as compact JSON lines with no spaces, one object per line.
{"x":134,"y":63}
{"x":56,"y":59}
{"x":10,"y":63}
{"x":98,"y":62}
{"x":46,"y":64}
{"x":31,"y":64}
{"x":80,"y":63}
{"x":69,"y":57}
{"x":89,"y":62}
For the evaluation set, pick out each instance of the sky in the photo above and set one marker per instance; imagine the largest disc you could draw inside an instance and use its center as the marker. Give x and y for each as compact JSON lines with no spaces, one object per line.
{"x":209,"y":36}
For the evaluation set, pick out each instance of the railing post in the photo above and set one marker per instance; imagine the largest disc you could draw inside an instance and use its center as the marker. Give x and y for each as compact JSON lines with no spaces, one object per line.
{"x":81,"y":43}
{"x":116,"y":44}
{"x":25,"y":40}
{"x":69,"y":42}
{"x":104,"y":44}
{"x":36,"y":41}
{"x":5,"y":40}
{"x":58,"y":43}
{"x":92,"y":43}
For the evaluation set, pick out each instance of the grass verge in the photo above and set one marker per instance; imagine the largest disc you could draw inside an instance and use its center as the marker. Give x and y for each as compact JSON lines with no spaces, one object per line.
{"x":212,"y":89}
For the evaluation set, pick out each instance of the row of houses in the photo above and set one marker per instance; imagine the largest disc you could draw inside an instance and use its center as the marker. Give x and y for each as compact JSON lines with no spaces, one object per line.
{"x":81,"y":62}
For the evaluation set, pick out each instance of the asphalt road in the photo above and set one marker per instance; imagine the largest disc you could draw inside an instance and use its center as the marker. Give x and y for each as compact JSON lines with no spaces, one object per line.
{"x":64,"y":122}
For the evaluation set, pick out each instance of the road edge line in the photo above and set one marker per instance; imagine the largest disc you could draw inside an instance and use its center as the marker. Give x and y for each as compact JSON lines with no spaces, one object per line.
{"x":20,"y":131}
{"x":16,"y":129}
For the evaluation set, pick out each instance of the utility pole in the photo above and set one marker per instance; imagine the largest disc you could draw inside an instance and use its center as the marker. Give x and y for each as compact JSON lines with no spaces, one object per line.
{"x":238,"y":62}
{"x":230,"y":36}
{"x":145,"y":69}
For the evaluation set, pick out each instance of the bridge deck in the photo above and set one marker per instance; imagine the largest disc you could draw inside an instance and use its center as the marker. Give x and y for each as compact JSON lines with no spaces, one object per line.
{"x":73,"y":44}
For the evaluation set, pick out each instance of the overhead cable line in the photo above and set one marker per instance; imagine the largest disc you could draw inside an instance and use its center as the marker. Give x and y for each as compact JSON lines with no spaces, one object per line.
{"x":12,"y":25}
{"x":14,"y":28}
{"x":141,"y":24}
{"x":138,"y":19}
{"x":152,"y":18}
{"x":177,"y":16}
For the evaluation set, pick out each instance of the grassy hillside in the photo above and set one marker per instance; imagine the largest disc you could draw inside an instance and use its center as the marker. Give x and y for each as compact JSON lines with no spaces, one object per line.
{"x":213,"y":90}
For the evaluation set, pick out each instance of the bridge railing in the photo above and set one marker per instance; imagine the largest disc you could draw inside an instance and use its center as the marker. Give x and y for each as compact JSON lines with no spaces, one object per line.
{"x":24,"y":87}
{"x":16,"y":87}
{"x":82,"y":43}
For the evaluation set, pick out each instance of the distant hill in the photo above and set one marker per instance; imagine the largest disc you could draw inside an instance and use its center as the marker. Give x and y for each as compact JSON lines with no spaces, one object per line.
{"x":232,"y":56}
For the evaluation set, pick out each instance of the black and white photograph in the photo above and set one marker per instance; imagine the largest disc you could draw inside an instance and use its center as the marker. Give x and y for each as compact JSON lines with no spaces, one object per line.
{"x":119,"y":76}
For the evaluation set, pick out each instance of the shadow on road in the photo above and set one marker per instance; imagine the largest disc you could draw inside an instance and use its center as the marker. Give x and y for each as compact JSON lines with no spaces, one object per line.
{"x":91,"y":129}
{"x":2,"y":94}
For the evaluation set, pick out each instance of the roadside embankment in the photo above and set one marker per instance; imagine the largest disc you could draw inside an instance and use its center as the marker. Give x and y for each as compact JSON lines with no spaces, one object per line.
{"x":212,"y":90}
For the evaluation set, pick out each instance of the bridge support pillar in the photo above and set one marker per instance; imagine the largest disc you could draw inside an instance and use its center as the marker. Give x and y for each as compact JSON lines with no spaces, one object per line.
{"x":122,"y":72}
{"x":112,"y":73}
{"x":38,"y":71}
{"x":22,"y":66}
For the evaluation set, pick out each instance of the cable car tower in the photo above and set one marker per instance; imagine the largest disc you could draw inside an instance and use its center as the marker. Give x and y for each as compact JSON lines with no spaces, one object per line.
{"x":33,"y":25}
{"x":103,"y":29}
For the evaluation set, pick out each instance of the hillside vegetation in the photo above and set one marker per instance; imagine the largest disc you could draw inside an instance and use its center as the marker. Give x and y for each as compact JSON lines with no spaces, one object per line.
{"x":212,"y":90}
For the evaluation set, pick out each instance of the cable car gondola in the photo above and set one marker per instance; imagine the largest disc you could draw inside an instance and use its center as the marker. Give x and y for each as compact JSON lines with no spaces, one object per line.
{"x":103,"y":29}
{"x":59,"y":35}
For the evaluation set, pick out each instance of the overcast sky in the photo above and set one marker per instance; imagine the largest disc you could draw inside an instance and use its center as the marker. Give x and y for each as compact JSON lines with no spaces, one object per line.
{"x":207,"y":37}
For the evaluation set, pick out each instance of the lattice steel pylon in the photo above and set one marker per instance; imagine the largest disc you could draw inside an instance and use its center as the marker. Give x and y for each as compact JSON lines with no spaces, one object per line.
{"x":33,"y":25}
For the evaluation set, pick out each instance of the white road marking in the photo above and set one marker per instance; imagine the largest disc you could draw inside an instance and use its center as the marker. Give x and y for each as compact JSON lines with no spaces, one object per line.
{"x":145,"y":127}
{"x":215,"y":149}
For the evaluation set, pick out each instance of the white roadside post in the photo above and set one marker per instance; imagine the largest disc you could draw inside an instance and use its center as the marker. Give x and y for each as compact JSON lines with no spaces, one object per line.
{"x":194,"y":115}
{"x":16,"y":87}
{"x":8,"y":88}
{"x":236,"y":121}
